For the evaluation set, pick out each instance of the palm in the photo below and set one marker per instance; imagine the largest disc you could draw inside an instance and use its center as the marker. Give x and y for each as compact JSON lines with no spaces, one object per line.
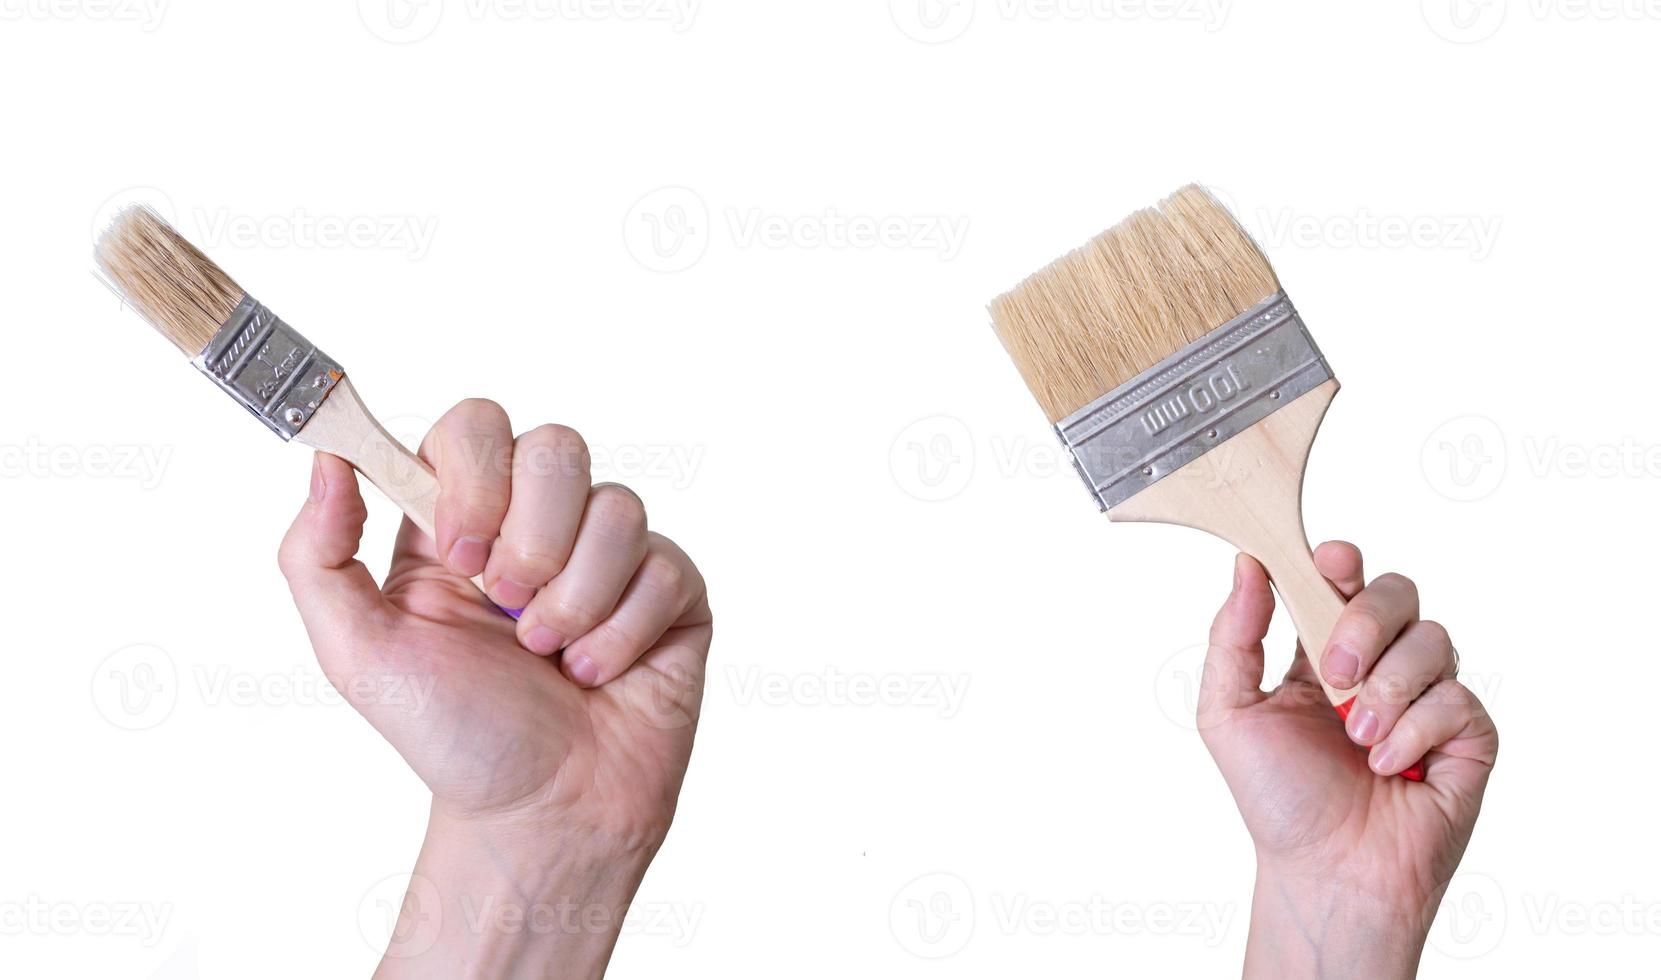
{"x":488,"y":725}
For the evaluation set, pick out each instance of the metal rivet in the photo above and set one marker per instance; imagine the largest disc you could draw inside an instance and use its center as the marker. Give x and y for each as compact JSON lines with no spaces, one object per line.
{"x":1275,"y":394}
{"x":1212,"y":433}
{"x":294,"y":416}
{"x":1147,"y":471}
{"x":320,"y":381}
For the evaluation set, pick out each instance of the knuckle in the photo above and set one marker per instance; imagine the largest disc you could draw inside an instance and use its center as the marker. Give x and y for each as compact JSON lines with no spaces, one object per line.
{"x":616,"y":510}
{"x":478,"y":409}
{"x":576,"y":615}
{"x":552,"y":450}
{"x":1398,"y":584}
{"x":1363,"y":623}
{"x":539,"y":551}
{"x":1435,"y":633}
{"x":663,"y":577}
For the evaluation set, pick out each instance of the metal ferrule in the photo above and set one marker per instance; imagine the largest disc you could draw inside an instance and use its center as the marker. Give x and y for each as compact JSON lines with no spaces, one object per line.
{"x":1196,"y":399}
{"x":269,"y":368}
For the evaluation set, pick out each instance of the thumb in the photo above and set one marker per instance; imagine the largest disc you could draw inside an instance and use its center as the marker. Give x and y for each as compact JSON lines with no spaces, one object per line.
{"x":337,"y":597}
{"x":1233,"y":674}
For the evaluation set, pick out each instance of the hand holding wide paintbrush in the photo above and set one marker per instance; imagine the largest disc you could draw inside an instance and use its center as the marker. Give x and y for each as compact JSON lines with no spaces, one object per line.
{"x":1350,"y":868}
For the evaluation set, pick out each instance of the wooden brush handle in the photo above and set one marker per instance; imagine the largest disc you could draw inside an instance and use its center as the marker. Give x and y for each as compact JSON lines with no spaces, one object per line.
{"x":344,"y":427}
{"x":1249,"y":492}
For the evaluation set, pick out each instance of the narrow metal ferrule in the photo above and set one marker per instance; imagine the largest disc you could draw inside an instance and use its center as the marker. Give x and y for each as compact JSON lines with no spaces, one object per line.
{"x":269,"y":368}
{"x":1198,"y":398}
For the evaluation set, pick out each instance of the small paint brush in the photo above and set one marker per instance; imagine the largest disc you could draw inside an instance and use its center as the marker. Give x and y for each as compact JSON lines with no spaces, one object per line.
{"x":265,"y":365}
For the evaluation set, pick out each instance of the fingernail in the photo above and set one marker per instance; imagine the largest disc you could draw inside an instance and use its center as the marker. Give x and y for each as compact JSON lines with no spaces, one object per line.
{"x":581,"y":670}
{"x":1382,"y":760}
{"x":468,"y":555}
{"x":1237,"y":573}
{"x":543,"y":640}
{"x":511,"y":594}
{"x":317,"y":485}
{"x":1341,"y":666}
{"x":1364,"y":725}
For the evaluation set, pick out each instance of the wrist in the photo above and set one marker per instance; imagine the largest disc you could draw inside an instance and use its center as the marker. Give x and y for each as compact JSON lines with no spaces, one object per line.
{"x":1321,"y":925}
{"x":497,"y":897}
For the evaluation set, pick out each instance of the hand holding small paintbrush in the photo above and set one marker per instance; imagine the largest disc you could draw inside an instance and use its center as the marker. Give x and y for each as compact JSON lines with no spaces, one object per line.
{"x":554,"y":745}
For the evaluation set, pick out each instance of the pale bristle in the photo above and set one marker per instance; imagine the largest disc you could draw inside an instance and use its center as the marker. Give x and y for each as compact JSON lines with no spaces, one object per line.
{"x":1129,"y":298}
{"x":171,"y":284}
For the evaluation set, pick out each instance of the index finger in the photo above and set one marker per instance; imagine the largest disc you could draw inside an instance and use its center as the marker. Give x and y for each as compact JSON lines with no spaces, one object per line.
{"x":471,"y":450}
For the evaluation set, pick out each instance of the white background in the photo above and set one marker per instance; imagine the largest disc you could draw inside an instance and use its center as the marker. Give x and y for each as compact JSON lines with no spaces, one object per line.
{"x":633,"y":219}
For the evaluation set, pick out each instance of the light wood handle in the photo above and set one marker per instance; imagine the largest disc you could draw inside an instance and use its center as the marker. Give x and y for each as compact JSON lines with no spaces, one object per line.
{"x":343,"y":427}
{"x":1249,"y":492}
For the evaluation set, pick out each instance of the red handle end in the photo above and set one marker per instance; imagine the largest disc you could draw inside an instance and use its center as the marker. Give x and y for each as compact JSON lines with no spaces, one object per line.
{"x":1415,"y":772}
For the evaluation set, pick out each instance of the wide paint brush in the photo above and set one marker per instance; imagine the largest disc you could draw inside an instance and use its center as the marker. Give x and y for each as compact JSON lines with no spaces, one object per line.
{"x":1186,"y":388}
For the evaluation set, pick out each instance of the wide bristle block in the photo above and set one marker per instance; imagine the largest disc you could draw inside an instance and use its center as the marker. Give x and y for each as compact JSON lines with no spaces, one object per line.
{"x":180,"y":291}
{"x":1130,"y":297}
